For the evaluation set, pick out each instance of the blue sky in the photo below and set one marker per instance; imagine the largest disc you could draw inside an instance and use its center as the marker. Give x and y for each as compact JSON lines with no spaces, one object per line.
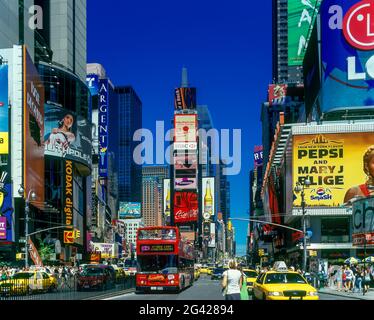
{"x":226,"y":47}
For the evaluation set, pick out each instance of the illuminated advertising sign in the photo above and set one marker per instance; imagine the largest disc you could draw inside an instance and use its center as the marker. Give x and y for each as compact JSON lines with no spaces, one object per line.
{"x":166,"y":202}
{"x":208,"y":197}
{"x":185,"y":207}
{"x":363,"y":222}
{"x":67,"y":135}
{"x":33,"y":147}
{"x":301,"y":16}
{"x":333,"y":163}
{"x":185,"y":99}
{"x":185,"y":128}
{"x":347,"y":50}
{"x":34,"y":254}
{"x":103,"y":127}
{"x":129,"y":210}
{"x":185,"y":165}
{"x":92,"y":81}
{"x":2,"y":228}
{"x":4,"y":118}
{"x":277,"y":94}
{"x":6,"y":208}
{"x":156,"y":248}
{"x":212,"y":239}
{"x":68,"y":200}
{"x":185,"y":183}
{"x":258,"y":156}
{"x":107,"y":250}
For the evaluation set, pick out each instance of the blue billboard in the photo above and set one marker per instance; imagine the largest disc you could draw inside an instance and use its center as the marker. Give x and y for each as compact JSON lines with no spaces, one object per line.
{"x":129,"y":210}
{"x":103,"y":127}
{"x":347,"y":54}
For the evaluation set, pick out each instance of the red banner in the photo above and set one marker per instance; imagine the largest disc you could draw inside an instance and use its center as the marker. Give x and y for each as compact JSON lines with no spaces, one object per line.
{"x":34,"y":254}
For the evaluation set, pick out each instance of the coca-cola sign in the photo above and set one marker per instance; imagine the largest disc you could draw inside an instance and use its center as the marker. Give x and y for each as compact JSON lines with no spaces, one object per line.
{"x":185,"y":207}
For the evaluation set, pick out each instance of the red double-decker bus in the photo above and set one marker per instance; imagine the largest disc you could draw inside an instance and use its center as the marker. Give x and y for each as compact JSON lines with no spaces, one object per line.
{"x":165,"y":260}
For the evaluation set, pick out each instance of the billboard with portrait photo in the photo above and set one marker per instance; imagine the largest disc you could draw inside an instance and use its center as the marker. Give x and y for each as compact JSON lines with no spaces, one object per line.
{"x":67,"y":135}
{"x":335,"y":165}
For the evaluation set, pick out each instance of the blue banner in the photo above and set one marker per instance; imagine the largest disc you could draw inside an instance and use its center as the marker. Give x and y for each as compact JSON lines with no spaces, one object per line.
{"x":4,"y":127}
{"x":347,"y":55}
{"x":103,"y":127}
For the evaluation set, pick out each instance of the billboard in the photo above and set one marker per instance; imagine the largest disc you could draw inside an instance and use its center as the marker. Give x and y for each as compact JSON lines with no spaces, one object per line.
{"x":68,"y":200}
{"x":363,"y":222}
{"x":4,"y":113}
{"x":185,"y":183}
{"x":185,"y":128}
{"x":67,"y":135}
{"x":185,"y":165}
{"x":186,"y":207}
{"x":347,"y":52}
{"x":277,"y":94}
{"x":107,"y":250}
{"x":301,"y":17}
{"x":212,"y":238}
{"x":6,"y":207}
{"x":258,"y":156}
{"x":166,"y":199}
{"x":103,"y":127}
{"x":129,"y":210}
{"x":208,"y":197}
{"x":185,"y":99}
{"x":334,"y":165}
{"x":33,"y":142}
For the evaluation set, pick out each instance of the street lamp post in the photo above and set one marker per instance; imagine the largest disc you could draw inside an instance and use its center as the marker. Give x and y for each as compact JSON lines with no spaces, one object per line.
{"x":31,"y":195}
{"x":300,"y":188}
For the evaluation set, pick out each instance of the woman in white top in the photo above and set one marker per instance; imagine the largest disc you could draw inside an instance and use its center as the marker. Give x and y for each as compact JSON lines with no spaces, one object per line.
{"x":232,"y":282}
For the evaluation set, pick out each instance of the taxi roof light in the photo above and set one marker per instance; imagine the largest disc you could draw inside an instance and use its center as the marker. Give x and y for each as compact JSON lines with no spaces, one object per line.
{"x":280,"y":266}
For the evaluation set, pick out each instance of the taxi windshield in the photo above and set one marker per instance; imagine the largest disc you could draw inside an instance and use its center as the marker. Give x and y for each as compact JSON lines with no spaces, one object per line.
{"x":277,"y":278}
{"x":250,"y":274}
{"x":23,"y":275}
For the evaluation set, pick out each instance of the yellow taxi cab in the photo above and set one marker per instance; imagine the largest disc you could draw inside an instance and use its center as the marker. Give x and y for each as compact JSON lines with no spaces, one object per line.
{"x":27,"y":282}
{"x":204,"y":270}
{"x":282,"y":284}
{"x":210,"y":271}
{"x":196,"y":274}
{"x":251,"y":278}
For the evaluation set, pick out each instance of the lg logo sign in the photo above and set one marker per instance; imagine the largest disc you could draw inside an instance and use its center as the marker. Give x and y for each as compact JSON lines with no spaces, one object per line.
{"x":358,"y":25}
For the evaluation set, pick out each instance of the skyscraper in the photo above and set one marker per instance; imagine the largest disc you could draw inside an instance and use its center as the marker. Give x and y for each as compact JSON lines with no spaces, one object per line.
{"x":152,"y":215}
{"x":129,"y":120}
{"x":158,"y":173}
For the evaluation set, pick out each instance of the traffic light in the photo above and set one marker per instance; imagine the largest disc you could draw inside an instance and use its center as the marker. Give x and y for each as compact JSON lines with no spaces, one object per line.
{"x":261,"y":252}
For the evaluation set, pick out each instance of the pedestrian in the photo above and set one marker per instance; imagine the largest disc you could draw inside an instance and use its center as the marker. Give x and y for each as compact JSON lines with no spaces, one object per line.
{"x":232,"y":282}
{"x":358,"y":280}
{"x":349,"y":277}
{"x":366,"y":280}
{"x":339,"y":278}
{"x":331,"y":276}
{"x":243,"y":290}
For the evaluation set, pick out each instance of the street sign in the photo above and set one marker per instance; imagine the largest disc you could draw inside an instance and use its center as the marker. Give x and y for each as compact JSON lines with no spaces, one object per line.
{"x":68,"y":237}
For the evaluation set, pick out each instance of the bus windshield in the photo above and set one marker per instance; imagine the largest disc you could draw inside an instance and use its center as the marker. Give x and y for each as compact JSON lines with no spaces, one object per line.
{"x":161,"y":234}
{"x":158,"y":264}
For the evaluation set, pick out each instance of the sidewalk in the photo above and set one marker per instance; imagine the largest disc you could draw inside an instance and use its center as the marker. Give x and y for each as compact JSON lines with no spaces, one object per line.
{"x":356,"y":295}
